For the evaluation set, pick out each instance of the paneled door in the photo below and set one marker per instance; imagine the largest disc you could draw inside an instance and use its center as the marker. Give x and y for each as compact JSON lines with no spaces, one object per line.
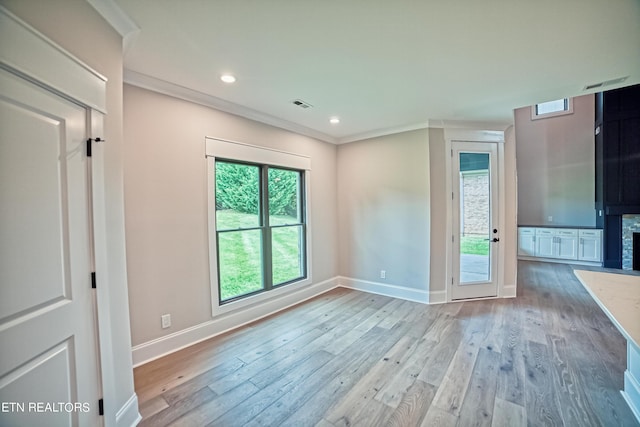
{"x":475,"y":220}
{"x":49,"y":370}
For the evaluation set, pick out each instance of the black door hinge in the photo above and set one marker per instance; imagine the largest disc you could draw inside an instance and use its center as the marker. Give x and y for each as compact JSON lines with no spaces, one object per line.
{"x":93,"y":280}
{"x":89,"y":141}
{"x":101,"y":407}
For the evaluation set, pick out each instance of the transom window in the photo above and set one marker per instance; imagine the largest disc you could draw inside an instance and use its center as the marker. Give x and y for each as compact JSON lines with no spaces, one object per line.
{"x":557,"y":107}
{"x":260,"y":228}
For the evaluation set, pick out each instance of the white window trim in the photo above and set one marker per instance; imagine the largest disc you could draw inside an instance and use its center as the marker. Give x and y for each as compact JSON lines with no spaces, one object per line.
{"x":230,"y":150}
{"x":569,"y":110}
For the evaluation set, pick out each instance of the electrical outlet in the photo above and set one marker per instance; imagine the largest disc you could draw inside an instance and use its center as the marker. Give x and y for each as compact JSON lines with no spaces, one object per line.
{"x":166,"y":321}
{"x":550,"y":218}
{"x":383,"y":274}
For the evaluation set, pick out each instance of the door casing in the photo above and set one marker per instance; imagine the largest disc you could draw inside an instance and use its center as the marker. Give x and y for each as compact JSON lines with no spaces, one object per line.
{"x":475,"y":136}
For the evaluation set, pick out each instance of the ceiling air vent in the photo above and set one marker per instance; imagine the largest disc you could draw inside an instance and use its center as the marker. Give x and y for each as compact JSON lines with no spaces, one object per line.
{"x":606,"y":83}
{"x":300,"y":103}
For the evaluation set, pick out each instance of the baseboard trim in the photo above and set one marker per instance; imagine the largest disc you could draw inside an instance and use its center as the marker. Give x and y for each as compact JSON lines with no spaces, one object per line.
{"x":154,"y":349}
{"x":128,"y":415}
{"x":559,"y":261}
{"x":394,"y":291}
{"x":438,"y":297}
{"x":509,"y":291}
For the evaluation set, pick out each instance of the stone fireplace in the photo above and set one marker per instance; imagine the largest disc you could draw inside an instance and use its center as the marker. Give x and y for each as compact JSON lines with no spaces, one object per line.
{"x":630,"y":226}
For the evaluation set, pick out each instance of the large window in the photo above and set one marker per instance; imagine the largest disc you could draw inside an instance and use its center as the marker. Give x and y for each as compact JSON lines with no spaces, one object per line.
{"x":260,"y":228}
{"x":259,"y":220}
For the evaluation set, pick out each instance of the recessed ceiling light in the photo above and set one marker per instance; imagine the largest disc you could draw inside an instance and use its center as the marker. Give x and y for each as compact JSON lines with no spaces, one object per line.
{"x":334,"y":120}
{"x":227,"y":78}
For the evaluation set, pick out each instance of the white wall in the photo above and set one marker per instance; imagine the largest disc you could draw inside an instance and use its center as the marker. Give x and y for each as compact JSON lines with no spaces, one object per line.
{"x":384,"y":210}
{"x":166,"y":207}
{"x":78,"y":28}
{"x":556,"y":166}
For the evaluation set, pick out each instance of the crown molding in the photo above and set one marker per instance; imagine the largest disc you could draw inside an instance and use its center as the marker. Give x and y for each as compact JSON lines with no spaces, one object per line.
{"x":166,"y":88}
{"x":382,"y":132}
{"x":118,"y":19}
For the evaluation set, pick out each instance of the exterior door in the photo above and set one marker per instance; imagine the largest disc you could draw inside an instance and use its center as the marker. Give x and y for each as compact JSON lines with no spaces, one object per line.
{"x":475,"y":220}
{"x":49,"y":372}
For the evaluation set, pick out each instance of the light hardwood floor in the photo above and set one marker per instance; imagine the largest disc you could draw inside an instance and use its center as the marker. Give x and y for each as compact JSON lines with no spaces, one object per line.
{"x":549,"y":357}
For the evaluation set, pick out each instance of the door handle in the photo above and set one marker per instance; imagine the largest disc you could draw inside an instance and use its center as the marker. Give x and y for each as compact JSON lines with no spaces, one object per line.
{"x":495,"y":239}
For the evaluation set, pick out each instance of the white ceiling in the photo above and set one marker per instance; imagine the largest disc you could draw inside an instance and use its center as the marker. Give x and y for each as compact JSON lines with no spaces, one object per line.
{"x":381,"y":65}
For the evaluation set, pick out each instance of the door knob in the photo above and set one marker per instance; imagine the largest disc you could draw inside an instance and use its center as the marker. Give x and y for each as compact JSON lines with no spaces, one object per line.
{"x":495,"y":239}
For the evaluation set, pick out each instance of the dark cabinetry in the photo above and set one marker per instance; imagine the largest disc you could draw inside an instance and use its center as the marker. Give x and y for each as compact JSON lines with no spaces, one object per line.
{"x":617,"y":165}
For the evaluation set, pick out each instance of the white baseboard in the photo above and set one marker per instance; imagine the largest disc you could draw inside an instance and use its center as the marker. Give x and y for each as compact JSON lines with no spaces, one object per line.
{"x":128,"y":415}
{"x":394,"y":291}
{"x":154,"y":349}
{"x":509,"y":291}
{"x":437,"y":297}
{"x":559,"y":261}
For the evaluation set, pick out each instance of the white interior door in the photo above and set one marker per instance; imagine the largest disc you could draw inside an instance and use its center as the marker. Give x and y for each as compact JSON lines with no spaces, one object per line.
{"x":48,"y":364}
{"x":476,"y":236}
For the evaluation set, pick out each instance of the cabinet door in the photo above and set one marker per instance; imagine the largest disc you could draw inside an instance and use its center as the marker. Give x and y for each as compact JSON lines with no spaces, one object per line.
{"x":526,"y":242}
{"x":590,"y":246}
{"x":545,"y":242}
{"x":567,"y":244}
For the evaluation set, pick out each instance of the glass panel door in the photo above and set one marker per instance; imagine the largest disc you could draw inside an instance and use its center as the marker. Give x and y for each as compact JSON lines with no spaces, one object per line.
{"x":475,"y":220}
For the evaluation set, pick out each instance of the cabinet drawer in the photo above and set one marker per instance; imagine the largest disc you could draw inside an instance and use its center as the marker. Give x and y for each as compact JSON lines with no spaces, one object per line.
{"x":526,"y":231}
{"x":567,"y":233}
{"x":590,"y":233}
{"x":544,"y":232}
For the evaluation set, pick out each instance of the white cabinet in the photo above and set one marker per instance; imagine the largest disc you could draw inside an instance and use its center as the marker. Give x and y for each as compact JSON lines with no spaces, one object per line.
{"x":545,"y":243}
{"x":590,"y":245}
{"x":570,"y":244}
{"x":526,"y":241}
{"x":567,"y":244}
{"x":557,"y":243}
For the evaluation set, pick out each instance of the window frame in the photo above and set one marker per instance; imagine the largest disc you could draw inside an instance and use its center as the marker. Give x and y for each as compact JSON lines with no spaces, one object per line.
{"x":241,"y":153}
{"x":568,"y":102}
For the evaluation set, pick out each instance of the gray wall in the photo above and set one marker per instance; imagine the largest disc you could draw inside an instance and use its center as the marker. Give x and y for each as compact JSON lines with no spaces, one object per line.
{"x":166,"y":205}
{"x":556,"y":166}
{"x":383,"y":209}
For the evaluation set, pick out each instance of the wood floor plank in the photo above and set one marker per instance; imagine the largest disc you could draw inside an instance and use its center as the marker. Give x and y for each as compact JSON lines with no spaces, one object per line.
{"x":574,"y":405}
{"x":359,"y":358}
{"x":511,"y":376}
{"x":414,"y":405}
{"x":477,"y":408}
{"x":182,"y":391}
{"x":451,"y":392}
{"x":175,"y":411}
{"x":251,"y":409}
{"x":442,"y":353}
{"x":548,"y":357}
{"x":153,"y":406}
{"x":437,"y":417}
{"x":540,"y":396}
{"x":348,"y":409}
{"x":393,"y":392}
{"x":215,"y":408}
{"x":508,"y":414}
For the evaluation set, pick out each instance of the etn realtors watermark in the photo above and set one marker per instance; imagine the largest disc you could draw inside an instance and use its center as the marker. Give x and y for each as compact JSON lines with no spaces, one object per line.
{"x":44,"y":407}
